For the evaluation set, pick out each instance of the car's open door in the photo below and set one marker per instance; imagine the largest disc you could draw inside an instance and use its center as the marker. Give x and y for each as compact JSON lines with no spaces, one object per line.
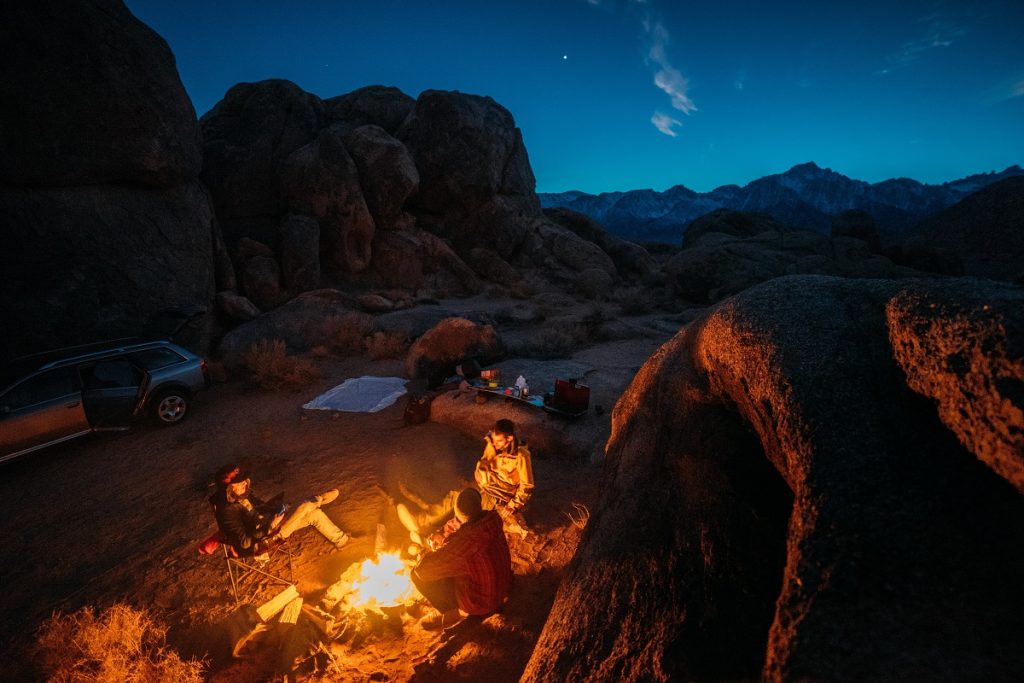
{"x":111,"y":390}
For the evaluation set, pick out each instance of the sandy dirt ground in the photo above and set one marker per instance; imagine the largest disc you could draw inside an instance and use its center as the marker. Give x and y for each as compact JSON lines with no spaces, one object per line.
{"x":117,"y":517}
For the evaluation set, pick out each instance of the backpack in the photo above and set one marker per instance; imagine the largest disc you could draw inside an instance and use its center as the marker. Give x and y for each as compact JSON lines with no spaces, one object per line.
{"x":417,"y":411}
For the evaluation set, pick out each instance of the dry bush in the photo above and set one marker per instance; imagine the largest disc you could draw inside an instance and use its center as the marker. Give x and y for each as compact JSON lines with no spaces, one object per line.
{"x":120,"y":645}
{"x":346,"y":334}
{"x":388,"y":344}
{"x":272,"y":368}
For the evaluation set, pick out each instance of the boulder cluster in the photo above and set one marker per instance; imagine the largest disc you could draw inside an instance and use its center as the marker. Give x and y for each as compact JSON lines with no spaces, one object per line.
{"x":819,"y":479}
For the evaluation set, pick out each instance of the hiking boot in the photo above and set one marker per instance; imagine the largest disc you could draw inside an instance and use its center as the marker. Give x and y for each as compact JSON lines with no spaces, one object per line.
{"x":438,"y":621}
{"x":342,"y":541}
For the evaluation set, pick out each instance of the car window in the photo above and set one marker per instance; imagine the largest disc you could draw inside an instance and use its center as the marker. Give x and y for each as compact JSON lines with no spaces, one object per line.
{"x":154,"y":359}
{"x":45,"y":386}
{"x":111,"y":374}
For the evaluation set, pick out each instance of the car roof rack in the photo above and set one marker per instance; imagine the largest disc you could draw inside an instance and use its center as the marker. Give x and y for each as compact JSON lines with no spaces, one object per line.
{"x":24,"y":365}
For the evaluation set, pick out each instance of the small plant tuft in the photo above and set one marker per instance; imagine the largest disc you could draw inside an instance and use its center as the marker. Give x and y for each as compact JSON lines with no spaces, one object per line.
{"x":272,"y":368}
{"x":121,"y":644}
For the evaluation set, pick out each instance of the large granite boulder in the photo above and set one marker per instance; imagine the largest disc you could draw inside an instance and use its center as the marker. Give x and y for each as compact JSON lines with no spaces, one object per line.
{"x":418,"y":260}
{"x":985,"y":231}
{"x":91,"y":96}
{"x":300,"y":253}
{"x":247,"y":136}
{"x":310,"y":319}
{"x":779,"y":503}
{"x":859,"y":224}
{"x":375,"y":105}
{"x":320,"y":179}
{"x":388,"y":173}
{"x":719,"y":264}
{"x":729,"y":222}
{"x":435,"y":354}
{"x":629,"y":258}
{"x":468,"y":151}
{"x":95,"y":262}
{"x":103,"y":220}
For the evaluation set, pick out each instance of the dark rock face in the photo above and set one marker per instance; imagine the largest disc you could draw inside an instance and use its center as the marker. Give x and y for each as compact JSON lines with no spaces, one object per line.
{"x":468,"y":151}
{"x":103,"y":221}
{"x":87,"y":263}
{"x":320,"y":179}
{"x":985,"y":231}
{"x":629,"y":258}
{"x":417,"y":259}
{"x":246,"y":137}
{"x":300,"y":253}
{"x":375,"y":105}
{"x":779,"y":503}
{"x":728,"y":252}
{"x":91,"y":96}
{"x":727,"y":222}
{"x":859,"y":224}
{"x":388,"y":173}
{"x":310,"y":319}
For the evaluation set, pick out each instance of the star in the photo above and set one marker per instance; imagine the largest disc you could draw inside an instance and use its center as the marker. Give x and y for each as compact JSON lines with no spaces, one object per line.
{"x":564,"y":57}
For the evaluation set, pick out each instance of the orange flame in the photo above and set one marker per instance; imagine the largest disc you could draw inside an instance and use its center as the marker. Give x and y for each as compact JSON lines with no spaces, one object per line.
{"x":383,"y":582}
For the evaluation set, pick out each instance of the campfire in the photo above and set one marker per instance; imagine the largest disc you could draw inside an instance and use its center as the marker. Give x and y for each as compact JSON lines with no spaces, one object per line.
{"x":381,"y":582}
{"x":370,"y":598}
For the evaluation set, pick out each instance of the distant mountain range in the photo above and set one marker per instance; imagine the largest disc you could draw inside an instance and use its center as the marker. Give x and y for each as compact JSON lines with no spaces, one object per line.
{"x":805,"y":196}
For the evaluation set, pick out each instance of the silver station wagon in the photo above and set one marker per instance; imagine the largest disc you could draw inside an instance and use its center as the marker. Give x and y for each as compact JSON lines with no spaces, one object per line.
{"x":58,"y":395}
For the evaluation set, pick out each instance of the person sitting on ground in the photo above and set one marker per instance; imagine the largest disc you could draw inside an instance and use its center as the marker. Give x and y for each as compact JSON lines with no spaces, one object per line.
{"x":470,"y":571}
{"x":250,"y":525}
{"x":504,"y":472}
{"x":504,"y":475}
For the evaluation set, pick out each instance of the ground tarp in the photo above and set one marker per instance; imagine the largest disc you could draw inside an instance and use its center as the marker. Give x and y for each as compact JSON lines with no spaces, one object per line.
{"x":360,"y":395}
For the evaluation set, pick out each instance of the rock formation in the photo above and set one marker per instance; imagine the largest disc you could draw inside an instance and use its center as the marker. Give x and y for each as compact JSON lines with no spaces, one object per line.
{"x":104,"y":220}
{"x":726,"y":252}
{"x":783,"y":498}
{"x":404,"y":192}
{"x":984,"y":231}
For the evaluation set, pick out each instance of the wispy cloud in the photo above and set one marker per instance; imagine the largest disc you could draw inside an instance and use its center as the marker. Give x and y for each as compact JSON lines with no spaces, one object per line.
{"x":668,"y":78}
{"x":1006,"y":89}
{"x":665,"y":123}
{"x":940,"y":31}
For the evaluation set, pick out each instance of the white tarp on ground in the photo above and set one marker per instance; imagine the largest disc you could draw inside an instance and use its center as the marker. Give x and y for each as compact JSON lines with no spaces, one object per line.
{"x":360,"y":395}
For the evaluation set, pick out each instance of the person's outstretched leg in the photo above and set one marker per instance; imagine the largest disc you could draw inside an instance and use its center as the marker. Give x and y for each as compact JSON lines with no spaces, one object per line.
{"x":308,"y":513}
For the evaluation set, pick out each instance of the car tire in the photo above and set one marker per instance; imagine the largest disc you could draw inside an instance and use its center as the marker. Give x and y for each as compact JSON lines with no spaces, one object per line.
{"x":170,"y":407}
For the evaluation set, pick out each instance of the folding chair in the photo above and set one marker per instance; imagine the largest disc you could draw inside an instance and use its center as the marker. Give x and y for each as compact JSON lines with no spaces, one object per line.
{"x":240,"y":568}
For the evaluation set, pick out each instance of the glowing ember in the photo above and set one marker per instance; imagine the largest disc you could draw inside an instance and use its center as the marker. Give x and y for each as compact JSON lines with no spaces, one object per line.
{"x":381,"y":583}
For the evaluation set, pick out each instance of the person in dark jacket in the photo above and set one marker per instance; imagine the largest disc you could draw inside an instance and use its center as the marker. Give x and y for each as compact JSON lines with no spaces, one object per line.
{"x":249,"y":524}
{"x":470,"y":571}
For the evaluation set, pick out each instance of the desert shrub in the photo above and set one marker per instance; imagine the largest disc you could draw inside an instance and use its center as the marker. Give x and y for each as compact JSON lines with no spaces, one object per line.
{"x":120,"y":645}
{"x":346,"y":334}
{"x":387,"y":344}
{"x":272,"y":368}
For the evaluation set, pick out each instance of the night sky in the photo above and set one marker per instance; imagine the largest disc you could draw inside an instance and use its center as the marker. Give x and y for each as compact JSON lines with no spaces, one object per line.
{"x":626,"y":94}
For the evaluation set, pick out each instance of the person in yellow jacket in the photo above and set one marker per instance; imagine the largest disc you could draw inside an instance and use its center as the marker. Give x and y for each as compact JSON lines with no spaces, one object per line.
{"x":504,"y":475}
{"x":504,"y":472}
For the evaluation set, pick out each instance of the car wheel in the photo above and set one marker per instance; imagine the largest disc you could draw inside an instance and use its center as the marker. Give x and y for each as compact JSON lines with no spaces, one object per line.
{"x":170,"y":407}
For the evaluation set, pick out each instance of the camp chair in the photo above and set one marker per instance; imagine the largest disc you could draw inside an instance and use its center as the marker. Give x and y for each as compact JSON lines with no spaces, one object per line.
{"x":241,"y":567}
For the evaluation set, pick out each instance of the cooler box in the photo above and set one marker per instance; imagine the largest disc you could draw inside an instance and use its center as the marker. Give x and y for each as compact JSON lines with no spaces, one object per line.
{"x":570,"y":396}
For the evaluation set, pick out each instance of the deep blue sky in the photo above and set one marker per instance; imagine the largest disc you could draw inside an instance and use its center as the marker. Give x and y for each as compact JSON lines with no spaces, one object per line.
{"x":922,"y":89}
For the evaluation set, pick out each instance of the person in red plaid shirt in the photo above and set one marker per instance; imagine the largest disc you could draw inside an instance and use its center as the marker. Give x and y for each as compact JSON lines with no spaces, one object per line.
{"x":470,"y":571}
